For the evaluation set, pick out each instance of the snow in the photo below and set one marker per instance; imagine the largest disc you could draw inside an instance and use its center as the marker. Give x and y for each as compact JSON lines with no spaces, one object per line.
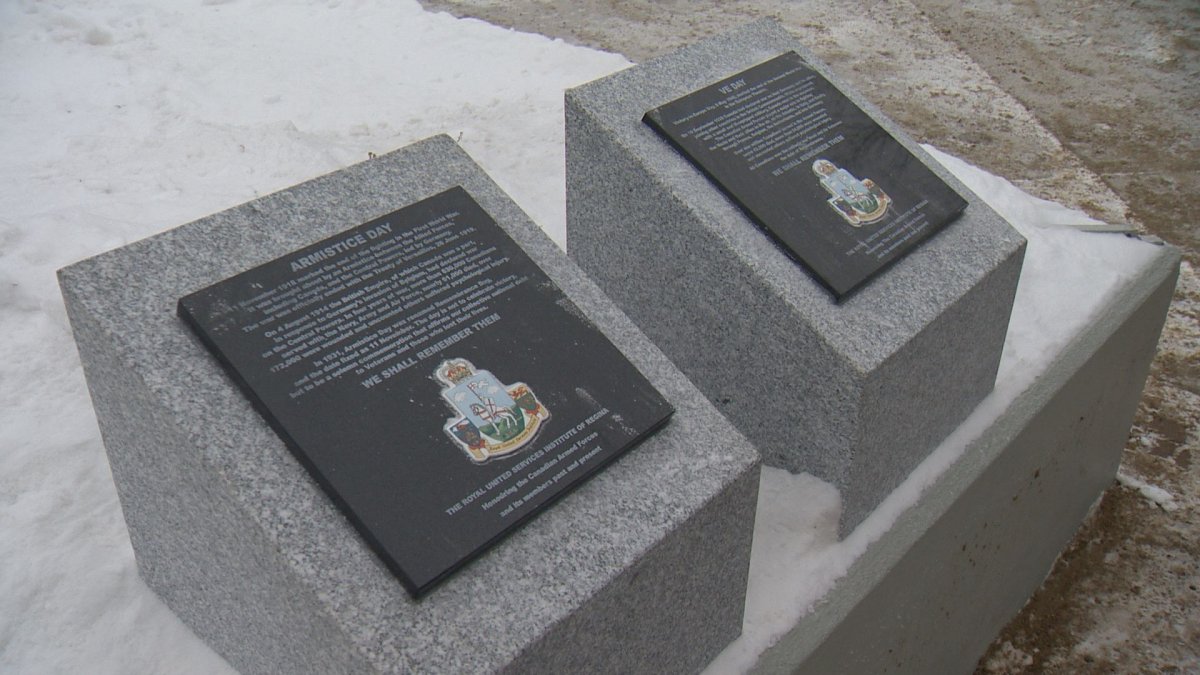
{"x":122,"y":118}
{"x":1152,"y":493}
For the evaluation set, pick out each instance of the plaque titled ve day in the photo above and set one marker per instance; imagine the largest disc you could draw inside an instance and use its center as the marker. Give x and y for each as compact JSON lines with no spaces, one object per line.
{"x":834,"y":189}
{"x":431,"y":378}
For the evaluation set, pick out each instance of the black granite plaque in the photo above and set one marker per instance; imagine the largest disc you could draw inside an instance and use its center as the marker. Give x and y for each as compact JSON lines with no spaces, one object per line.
{"x":834,"y":189}
{"x":434,"y":381}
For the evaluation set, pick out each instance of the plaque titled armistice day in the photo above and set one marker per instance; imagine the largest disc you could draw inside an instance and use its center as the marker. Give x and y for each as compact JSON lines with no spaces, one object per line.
{"x":832,"y":187}
{"x":434,"y":381}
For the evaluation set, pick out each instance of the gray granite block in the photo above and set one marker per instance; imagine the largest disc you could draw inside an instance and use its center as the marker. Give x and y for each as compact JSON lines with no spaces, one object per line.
{"x":856,"y":393}
{"x":643,"y":568}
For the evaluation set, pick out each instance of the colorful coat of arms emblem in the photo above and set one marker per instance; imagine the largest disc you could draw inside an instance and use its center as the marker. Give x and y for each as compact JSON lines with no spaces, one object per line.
{"x":859,"y":202}
{"x":494,"y":419}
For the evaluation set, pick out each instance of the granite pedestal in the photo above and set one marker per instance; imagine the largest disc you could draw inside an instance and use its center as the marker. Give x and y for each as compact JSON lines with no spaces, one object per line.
{"x":642,"y":569}
{"x":856,"y":393}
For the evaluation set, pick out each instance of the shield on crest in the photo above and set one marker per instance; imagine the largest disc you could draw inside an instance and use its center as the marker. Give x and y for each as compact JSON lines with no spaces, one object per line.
{"x":858,"y":202}
{"x":493,"y":419}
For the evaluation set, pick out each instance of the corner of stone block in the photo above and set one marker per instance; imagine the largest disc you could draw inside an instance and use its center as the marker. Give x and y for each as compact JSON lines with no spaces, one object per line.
{"x":69,"y":277}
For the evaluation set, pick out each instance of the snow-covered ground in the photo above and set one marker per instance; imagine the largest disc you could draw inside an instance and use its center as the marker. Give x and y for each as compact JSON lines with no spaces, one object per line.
{"x":119,"y":119}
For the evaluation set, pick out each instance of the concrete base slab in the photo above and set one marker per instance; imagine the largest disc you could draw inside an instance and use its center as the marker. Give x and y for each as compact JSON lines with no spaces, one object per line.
{"x":932,"y":591}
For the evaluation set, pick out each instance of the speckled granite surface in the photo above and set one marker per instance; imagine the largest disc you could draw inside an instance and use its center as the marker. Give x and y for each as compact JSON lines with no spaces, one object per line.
{"x":642,"y":569}
{"x":856,"y":394}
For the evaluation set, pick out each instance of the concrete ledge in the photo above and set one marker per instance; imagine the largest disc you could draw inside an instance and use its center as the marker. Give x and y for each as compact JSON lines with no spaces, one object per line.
{"x":934,"y":590}
{"x":643,"y":567}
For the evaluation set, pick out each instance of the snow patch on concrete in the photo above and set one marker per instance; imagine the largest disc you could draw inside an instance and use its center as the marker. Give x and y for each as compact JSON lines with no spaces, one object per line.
{"x":1158,"y":496}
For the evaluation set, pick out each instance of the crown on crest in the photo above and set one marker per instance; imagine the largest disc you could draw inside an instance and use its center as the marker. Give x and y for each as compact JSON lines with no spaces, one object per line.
{"x":455,"y":370}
